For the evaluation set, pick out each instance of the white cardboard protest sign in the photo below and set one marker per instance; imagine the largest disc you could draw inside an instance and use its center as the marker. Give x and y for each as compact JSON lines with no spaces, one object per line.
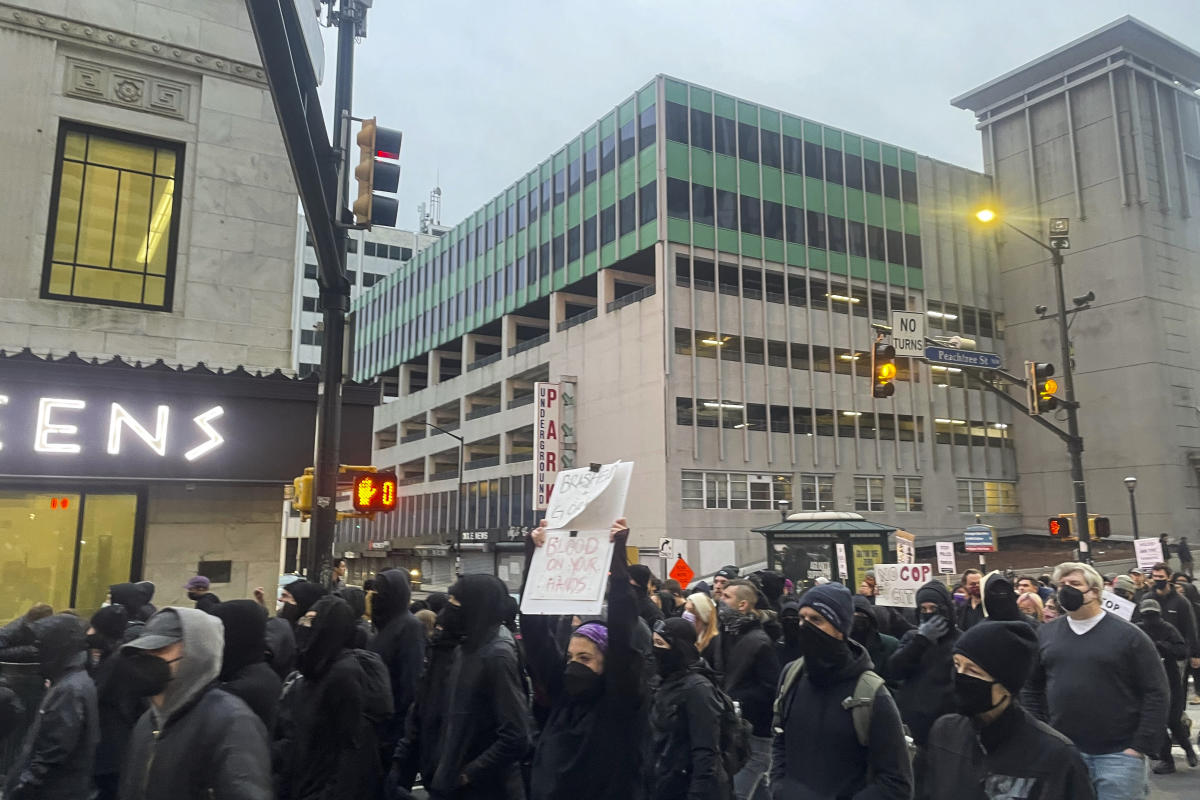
{"x":945,"y":558}
{"x":1114,"y":604}
{"x":1149,"y":552}
{"x":896,"y":584}
{"x":843,"y":567}
{"x":569,"y":573}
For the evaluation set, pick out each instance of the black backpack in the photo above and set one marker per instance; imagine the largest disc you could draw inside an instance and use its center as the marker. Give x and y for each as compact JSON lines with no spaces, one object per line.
{"x":735,"y":735}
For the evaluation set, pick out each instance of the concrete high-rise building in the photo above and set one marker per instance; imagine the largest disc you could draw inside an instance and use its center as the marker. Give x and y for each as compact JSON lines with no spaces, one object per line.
{"x":705,"y":272}
{"x":372,"y":255}
{"x":1106,"y":132}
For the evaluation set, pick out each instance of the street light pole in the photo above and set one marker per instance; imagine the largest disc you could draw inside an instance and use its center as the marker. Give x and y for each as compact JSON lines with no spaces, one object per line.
{"x":461,"y":504}
{"x":1131,"y":485}
{"x":1074,"y":440}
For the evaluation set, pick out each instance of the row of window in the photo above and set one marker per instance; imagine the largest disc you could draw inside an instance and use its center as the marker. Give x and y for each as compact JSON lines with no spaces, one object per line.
{"x":802,"y":421}
{"x":312,"y":337}
{"x":537,"y":263}
{"x":741,"y":490}
{"x":790,"y":223}
{"x":388,"y":251}
{"x":956,"y":318}
{"x":775,"y":353}
{"x":743,"y":140}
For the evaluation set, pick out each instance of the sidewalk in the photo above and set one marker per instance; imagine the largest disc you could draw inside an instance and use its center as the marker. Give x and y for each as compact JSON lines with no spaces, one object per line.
{"x":1184,"y":784}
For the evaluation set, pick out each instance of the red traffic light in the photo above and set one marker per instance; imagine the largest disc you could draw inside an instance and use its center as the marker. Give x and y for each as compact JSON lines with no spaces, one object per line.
{"x":374,"y":492}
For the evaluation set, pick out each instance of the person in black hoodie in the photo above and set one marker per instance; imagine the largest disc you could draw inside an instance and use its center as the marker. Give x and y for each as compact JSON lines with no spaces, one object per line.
{"x":400,"y":643}
{"x":992,"y":747}
{"x":417,"y":753}
{"x":1172,"y":649}
{"x":685,"y":721}
{"x":487,"y":731}
{"x":787,"y":649}
{"x":751,"y":673}
{"x":591,"y":745}
{"x":327,"y":748}
{"x":357,"y":600}
{"x":817,"y":751}
{"x":56,"y":762}
{"x":865,"y":631}
{"x":17,"y":641}
{"x":119,"y":708}
{"x":639,"y":576}
{"x":923,"y":665}
{"x":999,"y":599}
{"x":135,"y":598}
{"x":244,"y":671}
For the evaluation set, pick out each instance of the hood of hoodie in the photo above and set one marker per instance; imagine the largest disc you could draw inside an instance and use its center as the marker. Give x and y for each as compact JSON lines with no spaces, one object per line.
{"x":482,"y":598}
{"x":145,"y":590}
{"x":393,"y":593}
{"x":128,"y":595}
{"x":355,"y":598}
{"x":110,"y":622}
{"x":863,"y":605}
{"x":306,"y":595}
{"x":61,"y":644}
{"x":436,"y":601}
{"x":203,"y":643}
{"x":332,"y":633}
{"x":936,"y":592}
{"x":998,"y":598}
{"x":245,"y":624}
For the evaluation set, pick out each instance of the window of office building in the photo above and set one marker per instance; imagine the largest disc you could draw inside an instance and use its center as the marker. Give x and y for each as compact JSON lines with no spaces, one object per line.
{"x":646,"y":129}
{"x":868,"y":493}
{"x":648,"y":202}
{"x":114,"y":219}
{"x":987,"y":497}
{"x":816,"y":492}
{"x":906,"y":493}
{"x":734,"y":490}
{"x":310,"y":271}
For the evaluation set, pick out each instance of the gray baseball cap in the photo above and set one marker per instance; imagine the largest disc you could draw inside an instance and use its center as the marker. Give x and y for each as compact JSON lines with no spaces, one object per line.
{"x":162,"y":629}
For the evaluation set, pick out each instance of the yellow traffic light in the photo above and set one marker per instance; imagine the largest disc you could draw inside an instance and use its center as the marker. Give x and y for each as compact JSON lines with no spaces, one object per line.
{"x":883,"y":370}
{"x":364,"y":173}
{"x":378,"y":170}
{"x":1040,"y":387}
{"x":302,"y":492}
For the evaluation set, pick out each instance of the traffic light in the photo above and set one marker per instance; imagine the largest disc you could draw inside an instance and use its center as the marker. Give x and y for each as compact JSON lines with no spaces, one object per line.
{"x":1040,"y":388}
{"x":374,"y":492}
{"x":883,"y":370}
{"x":378,"y":170}
{"x":1060,"y":527}
{"x":302,"y":492}
{"x":1101,"y":528}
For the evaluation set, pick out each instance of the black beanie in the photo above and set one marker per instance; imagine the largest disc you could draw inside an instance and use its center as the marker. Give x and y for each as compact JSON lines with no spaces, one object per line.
{"x":1005,"y":650}
{"x":640,"y":574}
{"x":834,"y":602}
{"x":681,"y":635}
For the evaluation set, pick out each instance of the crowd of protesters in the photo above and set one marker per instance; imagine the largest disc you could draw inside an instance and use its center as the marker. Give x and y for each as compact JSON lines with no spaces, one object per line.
{"x":1001,"y":686}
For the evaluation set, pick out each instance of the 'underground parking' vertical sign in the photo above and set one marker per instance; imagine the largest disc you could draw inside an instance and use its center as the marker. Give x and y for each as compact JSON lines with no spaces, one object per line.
{"x":547,"y":425}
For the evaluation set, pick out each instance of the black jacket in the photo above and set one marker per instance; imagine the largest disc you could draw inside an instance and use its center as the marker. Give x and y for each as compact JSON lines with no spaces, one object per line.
{"x":418,"y":751}
{"x":924,"y":668}
{"x":401,"y":643}
{"x":751,"y":671}
{"x":207,"y":602}
{"x":202,"y":743}
{"x":590,"y":747}
{"x":60,"y":747}
{"x":280,"y":647}
{"x":685,"y":747}
{"x":487,"y":731}
{"x":326,"y":745}
{"x":17,"y":642}
{"x":968,"y":616}
{"x":119,"y":711}
{"x":1015,"y":756}
{"x":244,"y":672}
{"x":816,"y":752}
{"x":880,"y":646}
{"x":1176,"y":611}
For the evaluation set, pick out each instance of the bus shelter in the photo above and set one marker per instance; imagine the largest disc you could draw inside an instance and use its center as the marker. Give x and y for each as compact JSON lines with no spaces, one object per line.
{"x":838,"y":545}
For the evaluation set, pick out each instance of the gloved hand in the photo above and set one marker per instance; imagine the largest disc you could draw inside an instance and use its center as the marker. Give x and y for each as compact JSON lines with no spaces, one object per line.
{"x":934,"y":628}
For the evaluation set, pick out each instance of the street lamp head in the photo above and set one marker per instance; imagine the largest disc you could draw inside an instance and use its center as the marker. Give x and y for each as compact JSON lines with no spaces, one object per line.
{"x":985,"y":215}
{"x":1130,"y":483}
{"x":784,"y":503}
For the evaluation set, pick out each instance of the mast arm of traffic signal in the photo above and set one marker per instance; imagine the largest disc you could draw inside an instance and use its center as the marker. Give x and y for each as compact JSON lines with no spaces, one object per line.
{"x":1006,"y":397}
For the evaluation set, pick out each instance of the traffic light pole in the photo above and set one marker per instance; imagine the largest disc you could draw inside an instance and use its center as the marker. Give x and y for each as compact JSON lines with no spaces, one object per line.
{"x":1074,"y":440}
{"x":335,"y":302}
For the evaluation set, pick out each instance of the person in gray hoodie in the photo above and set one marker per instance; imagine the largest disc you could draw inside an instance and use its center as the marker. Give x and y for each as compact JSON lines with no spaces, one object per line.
{"x":196,"y":741}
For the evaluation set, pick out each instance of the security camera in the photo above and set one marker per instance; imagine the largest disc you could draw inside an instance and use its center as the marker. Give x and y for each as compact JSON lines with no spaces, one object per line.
{"x":1039,"y":310}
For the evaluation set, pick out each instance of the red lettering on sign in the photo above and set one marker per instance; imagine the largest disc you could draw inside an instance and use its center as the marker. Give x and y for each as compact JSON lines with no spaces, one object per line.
{"x":551,"y":430}
{"x":550,"y":459}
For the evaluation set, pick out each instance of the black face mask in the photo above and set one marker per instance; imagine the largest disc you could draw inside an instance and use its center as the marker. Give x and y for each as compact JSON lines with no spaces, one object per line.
{"x":290,"y":612}
{"x":581,"y":682}
{"x":146,"y":675}
{"x":972,"y":695}
{"x":452,"y":621}
{"x":669,"y":661}
{"x":822,"y":651}
{"x":1070,"y":598}
{"x":1160,"y":586}
{"x":96,"y":641}
{"x":791,"y":628}
{"x":304,"y":635}
{"x":925,"y":616}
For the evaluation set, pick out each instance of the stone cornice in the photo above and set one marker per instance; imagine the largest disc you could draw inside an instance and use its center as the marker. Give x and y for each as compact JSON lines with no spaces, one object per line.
{"x":184,"y":57}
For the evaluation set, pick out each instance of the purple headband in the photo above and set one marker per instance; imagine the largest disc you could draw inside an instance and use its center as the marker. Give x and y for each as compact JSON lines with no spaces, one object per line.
{"x":594,"y":632}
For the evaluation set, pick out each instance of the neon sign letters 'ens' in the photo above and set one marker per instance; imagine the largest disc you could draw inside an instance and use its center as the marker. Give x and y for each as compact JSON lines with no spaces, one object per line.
{"x":48,"y":434}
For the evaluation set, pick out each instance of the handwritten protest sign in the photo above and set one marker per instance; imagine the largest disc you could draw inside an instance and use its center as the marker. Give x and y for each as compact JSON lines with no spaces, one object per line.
{"x":1149,"y":552}
{"x":945,"y":558}
{"x":569,"y":573}
{"x":896,"y":584}
{"x":1115,"y":604}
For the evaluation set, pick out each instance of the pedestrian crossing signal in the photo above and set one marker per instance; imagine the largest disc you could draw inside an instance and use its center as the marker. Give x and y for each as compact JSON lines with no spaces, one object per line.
{"x":1060,"y":527}
{"x":374,"y":492}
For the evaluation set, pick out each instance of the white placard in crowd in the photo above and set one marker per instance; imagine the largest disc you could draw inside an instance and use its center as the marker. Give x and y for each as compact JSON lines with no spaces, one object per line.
{"x":843,"y":567}
{"x":1149,"y":552}
{"x":569,"y":572}
{"x":897,"y":584}
{"x":945,"y":558}
{"x":1114,"y":604}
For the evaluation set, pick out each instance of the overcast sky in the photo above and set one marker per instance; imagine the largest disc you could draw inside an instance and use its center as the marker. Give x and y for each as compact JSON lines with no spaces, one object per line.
{"x":484,"y":90}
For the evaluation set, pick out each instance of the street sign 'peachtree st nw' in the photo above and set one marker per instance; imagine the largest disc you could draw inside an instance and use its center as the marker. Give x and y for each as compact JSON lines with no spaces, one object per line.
{"x":962,"y":358}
